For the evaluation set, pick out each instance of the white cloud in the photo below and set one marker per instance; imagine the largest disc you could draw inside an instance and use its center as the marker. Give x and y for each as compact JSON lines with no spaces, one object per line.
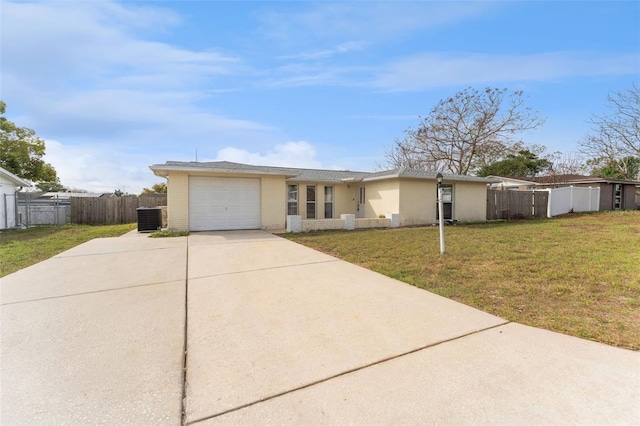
{"x":369,"y":21}
{"x":299,"y":154}
{"x":100,"y":168}
{"x":350,"y":46}
{"x":86,"y":42}
{"x":427,"y":71}
{"x":89,"y":70}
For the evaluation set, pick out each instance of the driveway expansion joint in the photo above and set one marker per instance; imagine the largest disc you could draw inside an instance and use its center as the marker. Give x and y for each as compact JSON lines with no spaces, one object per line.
{"x":183,"y":409}
{"x":87,"y":292}
{"x":266,"y":269}
{"x":60,"y":255}
{"x":344,"y":373}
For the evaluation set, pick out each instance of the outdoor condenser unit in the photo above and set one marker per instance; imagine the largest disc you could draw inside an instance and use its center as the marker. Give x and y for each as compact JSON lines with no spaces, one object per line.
{"x":149,"y":219}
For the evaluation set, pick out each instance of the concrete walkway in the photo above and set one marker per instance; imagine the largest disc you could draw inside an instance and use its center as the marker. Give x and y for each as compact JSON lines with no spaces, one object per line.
{"x":276,"y":333}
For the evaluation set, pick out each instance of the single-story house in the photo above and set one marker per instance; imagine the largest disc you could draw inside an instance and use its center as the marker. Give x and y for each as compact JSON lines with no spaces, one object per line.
{"x":615,"y":194}
{"x":223,"y":195}
{"x":10,"y":184}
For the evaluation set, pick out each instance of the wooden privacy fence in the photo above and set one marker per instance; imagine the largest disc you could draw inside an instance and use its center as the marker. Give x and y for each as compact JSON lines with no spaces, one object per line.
{"x":93,"y":211}
{"x":516,"y":204}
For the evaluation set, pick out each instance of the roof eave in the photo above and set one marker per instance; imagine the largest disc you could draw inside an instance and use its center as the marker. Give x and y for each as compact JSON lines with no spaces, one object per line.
{"x":164,"y":170}
{"x":15,"y":179}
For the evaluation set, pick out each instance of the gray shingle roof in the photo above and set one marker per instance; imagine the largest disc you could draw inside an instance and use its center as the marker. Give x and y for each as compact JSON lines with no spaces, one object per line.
{"x":305,"y":175}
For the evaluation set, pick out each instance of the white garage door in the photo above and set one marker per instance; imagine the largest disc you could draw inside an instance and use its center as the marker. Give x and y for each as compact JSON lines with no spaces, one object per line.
{"x":223,"y":203}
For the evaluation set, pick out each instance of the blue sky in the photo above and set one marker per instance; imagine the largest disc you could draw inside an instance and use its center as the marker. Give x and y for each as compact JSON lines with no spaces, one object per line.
{"x":114,"y":87}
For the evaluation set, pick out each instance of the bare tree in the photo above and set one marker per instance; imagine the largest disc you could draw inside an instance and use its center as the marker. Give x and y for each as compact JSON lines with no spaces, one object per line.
{"x":566,"y":164}
{"x":465,"y":132}
{"x":615,"y":136}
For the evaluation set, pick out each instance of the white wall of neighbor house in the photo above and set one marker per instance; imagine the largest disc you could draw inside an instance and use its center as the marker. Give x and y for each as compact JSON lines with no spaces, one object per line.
{"x":470,"y":201}
{"x":383,"y":197}
{"x":418,"y":201}
{"x":7,"y":204}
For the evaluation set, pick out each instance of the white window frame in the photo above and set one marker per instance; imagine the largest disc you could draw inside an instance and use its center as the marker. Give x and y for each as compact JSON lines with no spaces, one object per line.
{"x":330,"y":197}
{"x":292,"y":201}
{"x":312,"y":202}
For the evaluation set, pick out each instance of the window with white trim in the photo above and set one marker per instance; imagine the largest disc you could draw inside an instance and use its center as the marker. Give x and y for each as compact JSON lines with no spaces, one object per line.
{"x":292,"y":199}
{"x":328,"y":202}
{"x":311,"y":201}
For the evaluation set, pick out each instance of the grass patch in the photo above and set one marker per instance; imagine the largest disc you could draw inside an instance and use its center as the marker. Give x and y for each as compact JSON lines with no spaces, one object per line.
{"x":578,"y":274}
{"x":24,"y":247}
{"x":168,"y":234}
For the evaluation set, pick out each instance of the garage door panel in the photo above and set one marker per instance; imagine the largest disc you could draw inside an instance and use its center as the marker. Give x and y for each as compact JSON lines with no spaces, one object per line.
{"x":223,"y":203}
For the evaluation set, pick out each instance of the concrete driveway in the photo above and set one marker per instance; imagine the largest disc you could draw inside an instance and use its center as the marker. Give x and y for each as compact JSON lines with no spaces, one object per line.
{"x":276,"y":333}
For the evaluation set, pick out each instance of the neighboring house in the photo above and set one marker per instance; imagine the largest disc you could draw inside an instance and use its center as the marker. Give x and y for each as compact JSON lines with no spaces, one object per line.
{"x":223,"y":195}
{"x":9,"y":185}
{"x":615,"y":194}
{"x":68,"y":195}
{"x":506,"y":182}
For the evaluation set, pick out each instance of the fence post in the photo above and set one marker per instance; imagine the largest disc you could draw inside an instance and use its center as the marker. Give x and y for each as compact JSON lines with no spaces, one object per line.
{"x":571,"y":198}
{"x":549,"y":203}
{"x":6,"y":218}
{"x":28,"y":210}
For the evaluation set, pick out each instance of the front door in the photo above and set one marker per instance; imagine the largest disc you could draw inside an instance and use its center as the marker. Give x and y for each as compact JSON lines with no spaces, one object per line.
{"x":447,"y":203}
{"x":360,"y":204}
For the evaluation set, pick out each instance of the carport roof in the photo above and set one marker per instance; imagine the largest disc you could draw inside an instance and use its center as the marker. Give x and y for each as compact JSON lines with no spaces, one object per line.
{"x":304,"y":175}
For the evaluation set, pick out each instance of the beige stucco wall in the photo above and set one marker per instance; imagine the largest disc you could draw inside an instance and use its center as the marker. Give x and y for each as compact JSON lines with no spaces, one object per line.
{"x":418,"y":198}
{"x":273,"y":202}
{"x":470,"y":201}
{"x":383,"y":197}
{"x":178,"y":202}
{"x":418,"y":201}
{"x":345,"y":199}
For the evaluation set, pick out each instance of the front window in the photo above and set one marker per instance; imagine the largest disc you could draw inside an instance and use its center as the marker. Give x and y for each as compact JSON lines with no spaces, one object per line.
{"x":617,"y":196}
{"x":311,"y":202}
{"x":328,"y":202}
{"x":292,"y":199}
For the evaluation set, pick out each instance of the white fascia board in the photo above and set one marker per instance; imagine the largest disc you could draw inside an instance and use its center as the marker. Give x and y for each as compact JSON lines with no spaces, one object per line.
{"x":163,"y":171}
{"x":13,"y":178}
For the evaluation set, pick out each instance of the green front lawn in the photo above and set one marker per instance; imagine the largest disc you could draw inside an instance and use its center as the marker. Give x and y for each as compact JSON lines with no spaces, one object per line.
{"x":24,"y":247}
{"x":578,"y":274}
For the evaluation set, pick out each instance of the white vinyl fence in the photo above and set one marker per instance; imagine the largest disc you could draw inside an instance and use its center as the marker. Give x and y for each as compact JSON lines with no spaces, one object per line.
{"x":573,"y":199}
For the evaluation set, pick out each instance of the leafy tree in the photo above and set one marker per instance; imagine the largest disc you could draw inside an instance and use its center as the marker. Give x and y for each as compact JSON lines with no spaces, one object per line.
{"x":524,"y":164}
{"x":626,"y":168}
{"x":465,"y":132}
{"x":55,"y":186}
{"x":118,"y":193}
{"x":614,"y":141}
{"x":158,"y":188}
{"x":21,"y":153}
